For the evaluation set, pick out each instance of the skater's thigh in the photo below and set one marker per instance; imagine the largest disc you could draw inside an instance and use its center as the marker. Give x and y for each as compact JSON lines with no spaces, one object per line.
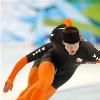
{"x":33,"y":72}
{"x":33,"y":76}
{"x":46,"y":71}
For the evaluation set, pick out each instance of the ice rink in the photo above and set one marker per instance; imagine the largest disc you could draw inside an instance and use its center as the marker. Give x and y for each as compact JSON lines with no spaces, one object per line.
{"x":84,"y":85}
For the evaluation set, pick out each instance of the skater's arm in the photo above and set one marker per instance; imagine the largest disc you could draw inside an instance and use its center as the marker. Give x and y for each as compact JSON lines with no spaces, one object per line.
{"x":92,"y":53}
{"x":19,"y":65}
{"x":38,"y":53}
{"x":22,"y":62}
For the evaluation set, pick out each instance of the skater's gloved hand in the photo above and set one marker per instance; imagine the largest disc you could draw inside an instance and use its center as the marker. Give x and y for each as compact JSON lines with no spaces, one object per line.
{"x":8,"y":86}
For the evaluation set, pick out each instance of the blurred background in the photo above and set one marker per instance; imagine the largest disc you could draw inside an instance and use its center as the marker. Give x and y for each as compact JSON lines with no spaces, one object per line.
{"x":27,"y":24}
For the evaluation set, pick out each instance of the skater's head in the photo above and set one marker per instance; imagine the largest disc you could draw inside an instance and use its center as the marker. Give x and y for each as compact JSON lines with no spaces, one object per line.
{"x":71,"y":35}
{"x":71,"y":39}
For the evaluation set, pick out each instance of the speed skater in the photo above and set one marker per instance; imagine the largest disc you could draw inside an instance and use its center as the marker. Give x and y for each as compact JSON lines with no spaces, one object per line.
{"x":54,"y":63}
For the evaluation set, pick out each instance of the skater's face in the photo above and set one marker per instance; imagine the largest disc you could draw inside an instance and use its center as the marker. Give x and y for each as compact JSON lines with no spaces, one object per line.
{"x":71,"y":48}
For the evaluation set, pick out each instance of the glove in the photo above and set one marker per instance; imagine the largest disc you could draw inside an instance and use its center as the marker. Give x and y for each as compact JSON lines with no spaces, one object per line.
{"x":8,"y":86}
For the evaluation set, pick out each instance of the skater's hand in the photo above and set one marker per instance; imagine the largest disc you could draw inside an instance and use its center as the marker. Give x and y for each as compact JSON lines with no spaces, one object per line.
{"x":8,"y":86}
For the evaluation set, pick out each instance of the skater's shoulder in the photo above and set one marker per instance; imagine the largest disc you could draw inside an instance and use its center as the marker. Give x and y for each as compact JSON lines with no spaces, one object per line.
{"x":86,"y":44}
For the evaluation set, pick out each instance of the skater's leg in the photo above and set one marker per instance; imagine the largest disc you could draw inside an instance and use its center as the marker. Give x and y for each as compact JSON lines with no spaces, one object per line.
{"x":46,"y":76}
{"x":50,"y":92}
{"x":33,"y":78}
